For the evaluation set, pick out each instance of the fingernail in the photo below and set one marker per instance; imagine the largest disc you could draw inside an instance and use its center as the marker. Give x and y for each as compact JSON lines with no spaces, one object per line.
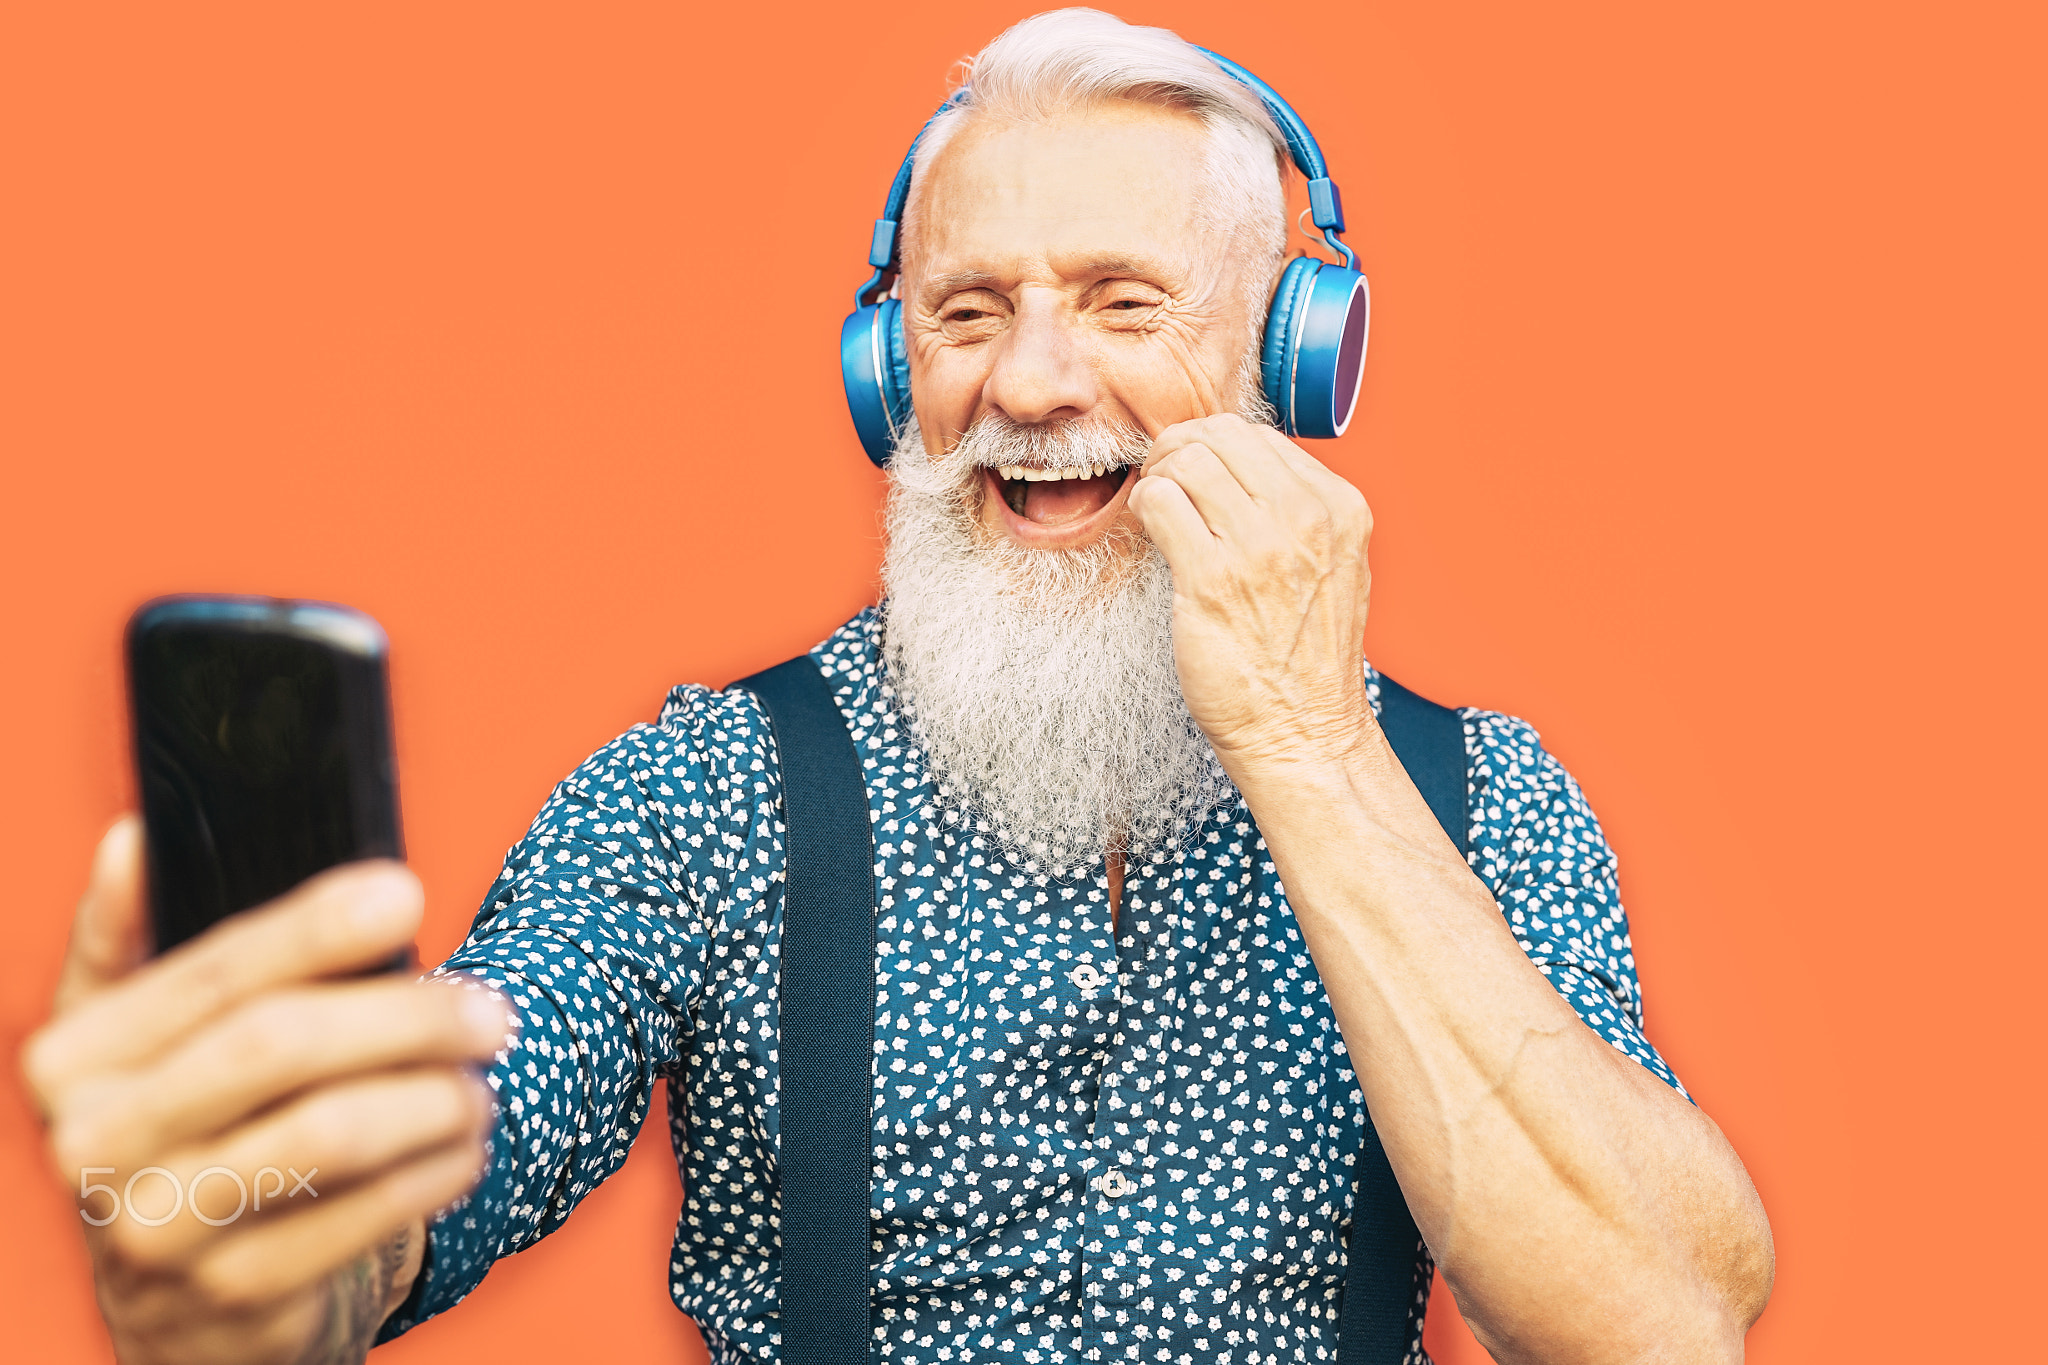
{"x":385,"y":900}
{"x":117,"y":845}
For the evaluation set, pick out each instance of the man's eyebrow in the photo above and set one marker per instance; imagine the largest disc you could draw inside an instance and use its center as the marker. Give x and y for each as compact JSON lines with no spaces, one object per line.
{"x":1105,"y":267}
{"x":953,"y":281}
{"x":950,"y":282}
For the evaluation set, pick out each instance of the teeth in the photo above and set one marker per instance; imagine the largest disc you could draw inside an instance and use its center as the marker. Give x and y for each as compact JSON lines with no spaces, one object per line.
{"x":1032,"y":475}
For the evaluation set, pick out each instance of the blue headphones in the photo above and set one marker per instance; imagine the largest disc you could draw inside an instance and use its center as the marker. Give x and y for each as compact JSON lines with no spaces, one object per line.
{"x":1310,"y":364}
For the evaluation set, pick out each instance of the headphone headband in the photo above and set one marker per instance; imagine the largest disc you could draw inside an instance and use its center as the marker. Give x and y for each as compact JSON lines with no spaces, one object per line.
{"x":882,"y":247}
{"x":1325,"y":203}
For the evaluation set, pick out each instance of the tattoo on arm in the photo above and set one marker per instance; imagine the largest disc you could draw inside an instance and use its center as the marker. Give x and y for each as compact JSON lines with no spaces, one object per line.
{"x":359,"y":1298}
{"x":391,"y":1258}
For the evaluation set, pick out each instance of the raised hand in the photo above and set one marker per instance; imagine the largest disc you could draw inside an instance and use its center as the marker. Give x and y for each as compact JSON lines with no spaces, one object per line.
{"x":1271,"y":586}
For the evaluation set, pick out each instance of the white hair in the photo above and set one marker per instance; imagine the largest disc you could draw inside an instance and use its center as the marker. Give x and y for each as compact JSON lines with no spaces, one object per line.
{"x":1051,"y":63}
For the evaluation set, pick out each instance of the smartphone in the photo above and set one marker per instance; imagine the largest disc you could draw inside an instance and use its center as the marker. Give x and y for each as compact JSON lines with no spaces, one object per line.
{"x":262,"y":751}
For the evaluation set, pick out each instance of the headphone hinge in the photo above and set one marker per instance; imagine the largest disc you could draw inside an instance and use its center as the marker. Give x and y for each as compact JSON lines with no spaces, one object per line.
{"x":882,"y":247}
{"x":1325,"y":204}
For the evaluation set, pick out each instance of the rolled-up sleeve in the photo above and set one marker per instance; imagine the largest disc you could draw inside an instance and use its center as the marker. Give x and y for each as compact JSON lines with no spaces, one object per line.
{"x":1538,"y":846}
{"x":597,"y":931}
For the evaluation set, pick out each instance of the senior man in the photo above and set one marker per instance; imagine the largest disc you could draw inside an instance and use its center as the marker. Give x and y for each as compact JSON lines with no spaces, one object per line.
{"x":1160,"y":918}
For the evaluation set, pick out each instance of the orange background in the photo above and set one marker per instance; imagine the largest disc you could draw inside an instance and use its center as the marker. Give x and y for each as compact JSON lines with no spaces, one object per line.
{"x":1702,"y":424}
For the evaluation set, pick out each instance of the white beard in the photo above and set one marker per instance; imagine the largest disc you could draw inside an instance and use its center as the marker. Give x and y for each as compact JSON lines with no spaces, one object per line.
{"x":1040,"y":683}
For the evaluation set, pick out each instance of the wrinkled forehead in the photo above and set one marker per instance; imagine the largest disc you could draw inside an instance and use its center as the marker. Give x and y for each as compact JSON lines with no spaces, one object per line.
{"x":1109,"y":181}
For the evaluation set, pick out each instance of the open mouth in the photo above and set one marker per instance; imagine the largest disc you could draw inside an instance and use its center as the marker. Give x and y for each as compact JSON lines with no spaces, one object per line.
{"x":1059,"y":497}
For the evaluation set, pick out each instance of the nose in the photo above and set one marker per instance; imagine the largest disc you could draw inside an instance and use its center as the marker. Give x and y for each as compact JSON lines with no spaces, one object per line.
{"x":1041,"y":373}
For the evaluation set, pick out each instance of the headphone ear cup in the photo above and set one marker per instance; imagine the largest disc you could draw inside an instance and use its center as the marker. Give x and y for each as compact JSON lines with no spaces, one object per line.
{"x":861,"y":372}
{"x":876,"y":372}
{"x":1332,"y":325}
{"x":1276,"y":355}
{"x":1313,"y":358}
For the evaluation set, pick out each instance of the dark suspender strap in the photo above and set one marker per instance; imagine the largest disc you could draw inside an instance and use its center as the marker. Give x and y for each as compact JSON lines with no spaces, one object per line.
{"x":1379,"y":1287}
{"x":1430,"y":742}
{"x":828,"y":1019}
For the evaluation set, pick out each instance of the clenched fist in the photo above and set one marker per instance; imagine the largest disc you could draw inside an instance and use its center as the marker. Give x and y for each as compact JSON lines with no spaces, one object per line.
{"x":1268,"y":550}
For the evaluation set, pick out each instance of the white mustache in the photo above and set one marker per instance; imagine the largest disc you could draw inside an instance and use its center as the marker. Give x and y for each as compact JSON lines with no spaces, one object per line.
{"x":995,"y":441}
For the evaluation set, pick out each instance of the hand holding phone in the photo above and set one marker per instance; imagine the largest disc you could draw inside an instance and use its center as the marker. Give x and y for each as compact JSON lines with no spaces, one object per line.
{"x":260,"y":1037}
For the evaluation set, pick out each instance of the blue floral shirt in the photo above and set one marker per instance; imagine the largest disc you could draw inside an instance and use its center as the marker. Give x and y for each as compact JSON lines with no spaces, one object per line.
{"x":1025,"y":1048}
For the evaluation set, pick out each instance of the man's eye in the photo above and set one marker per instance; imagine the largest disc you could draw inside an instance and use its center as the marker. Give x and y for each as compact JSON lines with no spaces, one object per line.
{"x":966,"y":315}
{"x":1131,"y":303}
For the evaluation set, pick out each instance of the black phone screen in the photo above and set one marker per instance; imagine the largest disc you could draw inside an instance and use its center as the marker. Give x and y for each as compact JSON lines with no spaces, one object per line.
{"x":262,"y":749}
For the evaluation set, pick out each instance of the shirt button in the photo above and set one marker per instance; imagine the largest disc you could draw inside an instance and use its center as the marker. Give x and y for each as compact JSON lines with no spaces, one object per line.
{"x":1116,"y":1185}
{"x":1086,"y":977}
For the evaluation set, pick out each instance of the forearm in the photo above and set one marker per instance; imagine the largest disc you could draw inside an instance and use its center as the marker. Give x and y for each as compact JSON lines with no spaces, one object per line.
{"x":1579,"y":1208}
{"x":363,"y":1293}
